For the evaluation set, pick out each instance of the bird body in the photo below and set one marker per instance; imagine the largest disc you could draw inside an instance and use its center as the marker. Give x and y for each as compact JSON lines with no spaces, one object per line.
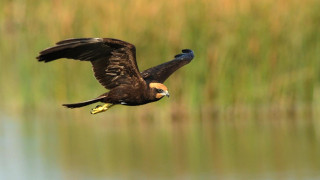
{"x":115,"y":67}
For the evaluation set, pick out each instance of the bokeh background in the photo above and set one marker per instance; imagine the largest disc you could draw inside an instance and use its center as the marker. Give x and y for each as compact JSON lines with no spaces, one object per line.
{"x":245,"y":107}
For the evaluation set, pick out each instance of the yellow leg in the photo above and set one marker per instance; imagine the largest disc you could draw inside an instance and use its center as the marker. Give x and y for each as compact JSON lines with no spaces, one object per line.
{"x":100,"y":108}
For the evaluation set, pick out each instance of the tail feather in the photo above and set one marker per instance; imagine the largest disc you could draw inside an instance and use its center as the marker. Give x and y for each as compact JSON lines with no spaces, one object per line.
{"x":81,"y":104}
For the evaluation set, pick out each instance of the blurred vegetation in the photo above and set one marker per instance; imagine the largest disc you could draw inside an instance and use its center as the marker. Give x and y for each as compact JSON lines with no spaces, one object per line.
{"x":251,"y":56}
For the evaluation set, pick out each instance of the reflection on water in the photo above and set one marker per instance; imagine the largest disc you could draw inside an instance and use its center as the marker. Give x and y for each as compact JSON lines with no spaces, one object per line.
{"x":54,"y":148}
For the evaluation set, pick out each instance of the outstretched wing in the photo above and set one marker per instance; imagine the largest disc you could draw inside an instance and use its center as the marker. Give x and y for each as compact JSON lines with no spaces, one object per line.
{"x":114,"y":61}
{"x":161,"y":72}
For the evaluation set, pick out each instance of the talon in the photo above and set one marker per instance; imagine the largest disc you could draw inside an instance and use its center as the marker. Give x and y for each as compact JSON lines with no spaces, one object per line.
{"x":100,"y":108}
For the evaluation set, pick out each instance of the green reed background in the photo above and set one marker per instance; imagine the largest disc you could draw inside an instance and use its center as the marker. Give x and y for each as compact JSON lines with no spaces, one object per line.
{"x":250,"y":56}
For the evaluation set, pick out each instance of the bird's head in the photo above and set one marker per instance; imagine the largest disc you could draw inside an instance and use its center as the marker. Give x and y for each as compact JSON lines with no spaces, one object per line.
{"x":159,"y":90}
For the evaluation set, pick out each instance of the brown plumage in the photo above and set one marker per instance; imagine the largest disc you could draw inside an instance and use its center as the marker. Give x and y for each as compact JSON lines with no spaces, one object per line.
{"x":115,"y":67}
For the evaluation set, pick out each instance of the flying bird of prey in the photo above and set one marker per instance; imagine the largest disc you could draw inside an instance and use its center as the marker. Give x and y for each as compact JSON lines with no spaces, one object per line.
{"x":115,"y":67}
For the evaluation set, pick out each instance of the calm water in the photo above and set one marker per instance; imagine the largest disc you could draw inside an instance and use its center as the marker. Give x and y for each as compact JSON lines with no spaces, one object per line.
{"x":67,"y":148}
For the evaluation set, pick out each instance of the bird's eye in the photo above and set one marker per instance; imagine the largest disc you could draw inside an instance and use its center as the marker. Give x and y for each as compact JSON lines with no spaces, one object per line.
{"x":160,"y":90}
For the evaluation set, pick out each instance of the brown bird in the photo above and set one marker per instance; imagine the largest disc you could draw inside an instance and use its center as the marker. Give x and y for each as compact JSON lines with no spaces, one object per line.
{"x":115,"y":67}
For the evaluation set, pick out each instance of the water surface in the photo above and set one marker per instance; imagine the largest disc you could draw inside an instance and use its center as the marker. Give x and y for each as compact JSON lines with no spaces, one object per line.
{"x":51,"y":148}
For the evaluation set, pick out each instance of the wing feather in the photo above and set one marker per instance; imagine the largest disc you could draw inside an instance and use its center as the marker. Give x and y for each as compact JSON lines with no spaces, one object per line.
{"x":114,"y":61}
{"x":161,"y":72}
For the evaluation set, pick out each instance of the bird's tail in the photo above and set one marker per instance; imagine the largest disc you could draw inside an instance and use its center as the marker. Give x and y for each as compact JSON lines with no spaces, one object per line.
{"x":85,"y":103}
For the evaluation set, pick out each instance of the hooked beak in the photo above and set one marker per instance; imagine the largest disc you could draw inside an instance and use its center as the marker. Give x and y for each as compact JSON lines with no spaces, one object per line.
{"x":166,"y":93}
